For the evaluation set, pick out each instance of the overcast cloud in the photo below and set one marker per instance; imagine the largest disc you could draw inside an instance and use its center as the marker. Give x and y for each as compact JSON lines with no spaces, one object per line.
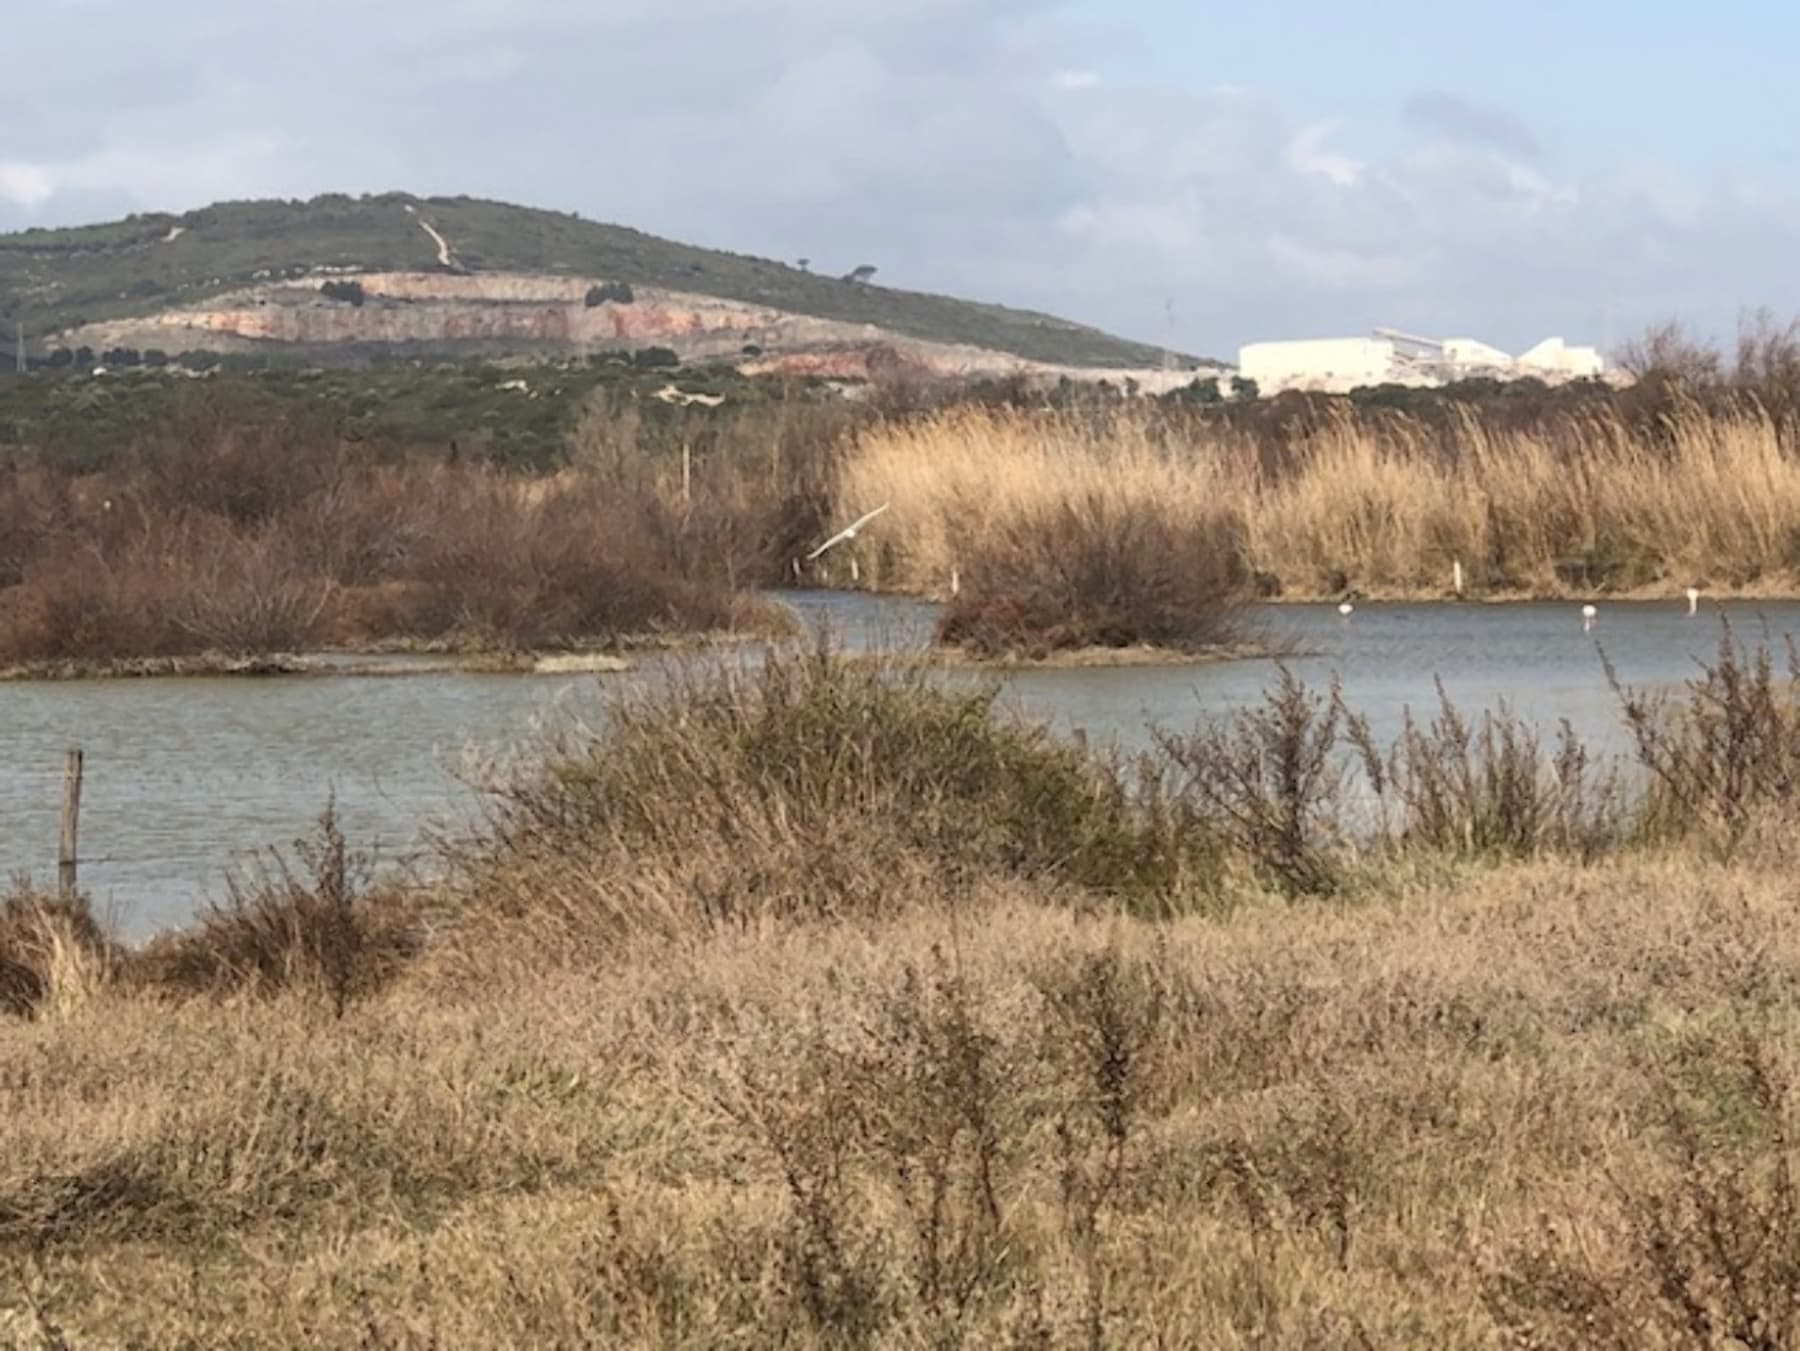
{"x":961,"y":145}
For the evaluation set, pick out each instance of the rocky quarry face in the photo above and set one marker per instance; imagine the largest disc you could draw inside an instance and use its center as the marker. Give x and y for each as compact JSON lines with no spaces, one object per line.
{"x":459,"y":315}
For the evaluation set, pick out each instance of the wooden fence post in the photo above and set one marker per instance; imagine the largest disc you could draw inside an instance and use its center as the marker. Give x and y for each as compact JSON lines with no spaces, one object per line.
{"x":67,"y":859}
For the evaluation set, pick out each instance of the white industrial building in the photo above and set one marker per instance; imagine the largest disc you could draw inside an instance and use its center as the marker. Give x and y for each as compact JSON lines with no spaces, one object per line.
{"x":1346,"y":363}
{"x":1337,"y":365}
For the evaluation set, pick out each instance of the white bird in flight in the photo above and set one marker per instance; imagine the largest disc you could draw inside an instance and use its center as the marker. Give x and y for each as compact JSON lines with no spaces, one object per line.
{"x":848,"y":533}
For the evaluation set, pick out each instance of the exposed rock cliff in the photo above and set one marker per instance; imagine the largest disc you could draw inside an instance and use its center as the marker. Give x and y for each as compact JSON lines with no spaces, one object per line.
{"x":448,"y":314}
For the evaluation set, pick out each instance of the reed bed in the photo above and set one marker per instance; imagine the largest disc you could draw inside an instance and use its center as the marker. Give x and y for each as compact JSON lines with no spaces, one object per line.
{"x":1357,"y":500}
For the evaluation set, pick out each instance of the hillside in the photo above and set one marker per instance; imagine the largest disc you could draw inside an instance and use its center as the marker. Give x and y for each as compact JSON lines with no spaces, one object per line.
{"x":485,"y":266}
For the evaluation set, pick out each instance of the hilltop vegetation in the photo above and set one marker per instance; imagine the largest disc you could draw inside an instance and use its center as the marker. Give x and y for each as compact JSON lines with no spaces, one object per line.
{"x":522,"y":417}
{"x":58,"y":279}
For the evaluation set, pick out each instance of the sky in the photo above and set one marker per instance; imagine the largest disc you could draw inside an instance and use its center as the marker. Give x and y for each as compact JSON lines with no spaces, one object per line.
{"x":1196,"y":174}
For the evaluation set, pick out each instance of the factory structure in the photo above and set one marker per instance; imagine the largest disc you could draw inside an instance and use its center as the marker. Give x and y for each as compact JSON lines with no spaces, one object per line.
{"x":1389,"y":357}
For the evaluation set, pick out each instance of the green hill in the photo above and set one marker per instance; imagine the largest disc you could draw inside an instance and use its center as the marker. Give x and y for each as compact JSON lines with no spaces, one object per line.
{"x":54,"y":280}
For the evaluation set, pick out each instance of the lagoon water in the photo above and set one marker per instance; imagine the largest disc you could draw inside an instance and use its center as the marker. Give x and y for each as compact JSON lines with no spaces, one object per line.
{"x":189,"y":778}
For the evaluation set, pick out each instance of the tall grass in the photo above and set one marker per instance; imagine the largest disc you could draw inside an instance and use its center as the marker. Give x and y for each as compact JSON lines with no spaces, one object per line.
{"x":1360,"y":500}
{"x":823,"y":1004}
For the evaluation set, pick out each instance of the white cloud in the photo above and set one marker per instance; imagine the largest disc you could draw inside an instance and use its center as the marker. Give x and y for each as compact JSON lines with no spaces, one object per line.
{"x":1342,"y":269}
{"x":1308,"y":154}
{"x":26,"y":185}
{"x":937,"y":139}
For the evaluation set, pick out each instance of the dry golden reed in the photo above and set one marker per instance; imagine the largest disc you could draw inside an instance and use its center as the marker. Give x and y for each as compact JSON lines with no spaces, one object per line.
{"x":1360,"y":501}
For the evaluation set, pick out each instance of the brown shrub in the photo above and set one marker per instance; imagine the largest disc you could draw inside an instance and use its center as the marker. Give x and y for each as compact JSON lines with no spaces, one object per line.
{"x":1098,"y":572}
{"x":806,"y":787}
{"x":315,"y":927}
{"x":246,"y":465}
{"x":78,"y":602}
{"x":1269,"y":784}
{"x":1704,"y":1246}
{"x":1490,"y":788}
{"x":1725,"y":758}
{"x":501,"y":563}
{"x":361,"y":553}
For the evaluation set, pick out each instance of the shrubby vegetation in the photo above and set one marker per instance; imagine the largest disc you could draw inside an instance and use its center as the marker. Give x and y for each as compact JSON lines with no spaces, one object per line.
{"x":222,"y":532}
{"x":393,"y":407}
{"x":612,"y":292}
{"x":349,"y":292}
{"x":822,"y":1002}
{"x":1049,"y":520}
{"x":134,"y":267}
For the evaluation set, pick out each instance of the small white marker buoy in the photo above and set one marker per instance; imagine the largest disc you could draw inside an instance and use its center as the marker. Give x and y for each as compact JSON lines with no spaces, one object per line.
{"x":1693,"y":595}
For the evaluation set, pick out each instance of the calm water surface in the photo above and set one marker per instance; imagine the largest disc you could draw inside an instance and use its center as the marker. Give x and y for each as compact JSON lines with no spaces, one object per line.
{"x":187,"y":778}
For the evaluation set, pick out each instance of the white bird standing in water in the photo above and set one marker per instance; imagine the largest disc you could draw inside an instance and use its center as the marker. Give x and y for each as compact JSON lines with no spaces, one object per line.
{"x":1588,"y":615}
{"x":1693,"y":595}
{"x":1346,"y":609}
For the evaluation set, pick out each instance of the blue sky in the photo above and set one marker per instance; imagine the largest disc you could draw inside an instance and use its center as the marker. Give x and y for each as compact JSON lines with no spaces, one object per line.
{"x":1499,"y":171}
{"x":1702,"y":85}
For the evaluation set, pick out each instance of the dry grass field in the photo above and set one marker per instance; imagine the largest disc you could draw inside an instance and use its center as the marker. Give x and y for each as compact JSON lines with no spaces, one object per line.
{"x":815,"y":1005}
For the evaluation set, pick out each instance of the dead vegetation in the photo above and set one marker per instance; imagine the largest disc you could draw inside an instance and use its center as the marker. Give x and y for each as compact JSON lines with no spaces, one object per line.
{"x":218,"y":536}
{"x":1345,"y":499}
{"x":818,"y":1004}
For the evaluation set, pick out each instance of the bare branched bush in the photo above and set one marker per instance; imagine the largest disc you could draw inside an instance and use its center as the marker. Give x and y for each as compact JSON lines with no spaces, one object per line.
{"x":1669,"y":351}
{"x":1705,"y":1247}
{"x":939,"y":1102}
{"x":242,"y":595}
{"x":1106,"y":1026}
{"x":1269,"y":783}
{"x":223,"y":536}
{"x":1724,"y":758}
{"x":832,"y":1258}
{"x":310,"y":923}
{"x":1492,"y":789}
